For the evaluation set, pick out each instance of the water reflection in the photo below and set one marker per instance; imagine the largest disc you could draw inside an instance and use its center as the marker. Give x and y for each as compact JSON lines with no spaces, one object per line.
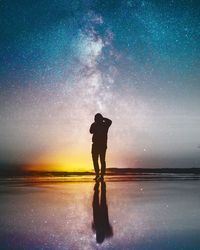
{"x":101,"y":224}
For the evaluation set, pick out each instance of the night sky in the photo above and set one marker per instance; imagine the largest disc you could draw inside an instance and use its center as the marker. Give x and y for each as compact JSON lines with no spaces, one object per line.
{"x":136,"y":62}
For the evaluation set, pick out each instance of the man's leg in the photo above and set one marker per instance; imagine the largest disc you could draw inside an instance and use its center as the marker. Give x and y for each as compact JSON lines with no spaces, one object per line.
{"x":95,"y":160}
{"x":103,"y":162}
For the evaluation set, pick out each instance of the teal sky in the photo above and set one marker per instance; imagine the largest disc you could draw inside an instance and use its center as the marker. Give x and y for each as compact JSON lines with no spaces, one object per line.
{"x":136,"y":62}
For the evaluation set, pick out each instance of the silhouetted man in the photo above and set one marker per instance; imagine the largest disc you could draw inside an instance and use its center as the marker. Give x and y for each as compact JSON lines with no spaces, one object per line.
{"x":99,"y":129}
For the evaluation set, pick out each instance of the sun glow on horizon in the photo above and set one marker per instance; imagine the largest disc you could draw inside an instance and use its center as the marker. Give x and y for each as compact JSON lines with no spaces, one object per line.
{"x":60,"y":161}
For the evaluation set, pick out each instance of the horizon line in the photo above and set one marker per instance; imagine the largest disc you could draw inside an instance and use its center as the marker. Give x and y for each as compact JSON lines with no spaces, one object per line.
{"x":110,"y":171}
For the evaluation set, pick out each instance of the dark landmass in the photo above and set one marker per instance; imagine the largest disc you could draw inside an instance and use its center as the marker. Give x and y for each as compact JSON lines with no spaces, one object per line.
{"x":153,"y":170}
{"x":109,"y":172}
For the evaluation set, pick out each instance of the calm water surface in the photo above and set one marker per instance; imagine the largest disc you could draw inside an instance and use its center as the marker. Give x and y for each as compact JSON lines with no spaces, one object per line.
{"x":112,"y":215}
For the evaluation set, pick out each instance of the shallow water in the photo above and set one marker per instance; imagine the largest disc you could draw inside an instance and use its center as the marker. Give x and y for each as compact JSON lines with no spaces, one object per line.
{"x":133,"y":215}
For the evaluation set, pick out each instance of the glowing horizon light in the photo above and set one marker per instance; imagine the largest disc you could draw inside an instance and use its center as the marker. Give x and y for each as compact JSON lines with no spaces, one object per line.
{"x":60,"y":161}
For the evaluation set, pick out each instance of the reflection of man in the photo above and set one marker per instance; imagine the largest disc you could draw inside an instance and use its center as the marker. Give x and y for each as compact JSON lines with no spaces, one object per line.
{"x":99,"y":129}
{"x":101,"y":223}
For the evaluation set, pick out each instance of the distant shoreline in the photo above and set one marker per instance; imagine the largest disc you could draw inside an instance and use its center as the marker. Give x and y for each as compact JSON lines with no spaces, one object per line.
{"x":109,"y":172}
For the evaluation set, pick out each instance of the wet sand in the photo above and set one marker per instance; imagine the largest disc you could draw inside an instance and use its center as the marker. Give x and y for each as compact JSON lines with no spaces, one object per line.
{"x":133,"y":215}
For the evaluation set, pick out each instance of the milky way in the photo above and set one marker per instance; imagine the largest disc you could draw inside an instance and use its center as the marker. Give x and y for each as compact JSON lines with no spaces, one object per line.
{"x":136,"y":62}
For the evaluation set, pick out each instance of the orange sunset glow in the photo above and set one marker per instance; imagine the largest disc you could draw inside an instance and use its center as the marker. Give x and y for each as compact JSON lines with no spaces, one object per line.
{"x":60,"y":161}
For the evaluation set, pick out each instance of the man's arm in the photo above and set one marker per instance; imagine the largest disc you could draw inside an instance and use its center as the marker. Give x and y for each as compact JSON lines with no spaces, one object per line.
{"x":107,"y":121}
{"x":92,"y":128}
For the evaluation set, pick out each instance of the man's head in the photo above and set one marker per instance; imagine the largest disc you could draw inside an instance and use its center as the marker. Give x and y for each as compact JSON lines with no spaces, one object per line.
{"x":98,"y":117}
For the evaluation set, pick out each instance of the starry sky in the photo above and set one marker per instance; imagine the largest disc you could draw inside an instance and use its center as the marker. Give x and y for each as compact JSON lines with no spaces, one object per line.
{"x":136,"y":62}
